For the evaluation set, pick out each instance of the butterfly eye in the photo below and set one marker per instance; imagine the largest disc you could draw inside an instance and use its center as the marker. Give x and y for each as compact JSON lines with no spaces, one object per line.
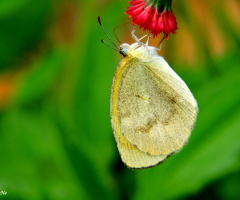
{"x":124,"y":50}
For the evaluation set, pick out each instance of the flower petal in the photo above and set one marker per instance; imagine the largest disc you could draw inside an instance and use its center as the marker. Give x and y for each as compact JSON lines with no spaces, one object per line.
{"x":150,"y":18}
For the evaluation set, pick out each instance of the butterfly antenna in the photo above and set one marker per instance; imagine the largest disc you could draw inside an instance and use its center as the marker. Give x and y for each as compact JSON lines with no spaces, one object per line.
{"x":109,"y":45}
{"x":99,"y":20}
{"x":115,"y":32}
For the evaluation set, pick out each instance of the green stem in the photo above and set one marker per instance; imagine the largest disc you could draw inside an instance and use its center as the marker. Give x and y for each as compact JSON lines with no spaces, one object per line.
{"x":162,"y":4}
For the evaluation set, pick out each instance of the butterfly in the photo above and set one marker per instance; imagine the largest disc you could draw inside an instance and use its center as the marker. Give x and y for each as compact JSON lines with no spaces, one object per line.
{"x":153,"y":112}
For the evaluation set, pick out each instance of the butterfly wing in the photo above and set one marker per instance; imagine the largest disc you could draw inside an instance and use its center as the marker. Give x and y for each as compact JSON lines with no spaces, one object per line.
{"x":152,"y":108}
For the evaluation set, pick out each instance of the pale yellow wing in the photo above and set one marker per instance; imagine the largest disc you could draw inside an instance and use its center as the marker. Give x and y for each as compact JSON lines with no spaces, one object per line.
{"x":155,"y":108}
{"x":130,"y":154}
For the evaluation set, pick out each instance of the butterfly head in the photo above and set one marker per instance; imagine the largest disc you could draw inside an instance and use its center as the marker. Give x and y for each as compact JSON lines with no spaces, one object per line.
{"x":124,"y":49}
{"x":138,"y":50}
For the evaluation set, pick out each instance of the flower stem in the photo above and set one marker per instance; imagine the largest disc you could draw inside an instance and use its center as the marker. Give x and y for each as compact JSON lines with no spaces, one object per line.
{"x":162,"y":4}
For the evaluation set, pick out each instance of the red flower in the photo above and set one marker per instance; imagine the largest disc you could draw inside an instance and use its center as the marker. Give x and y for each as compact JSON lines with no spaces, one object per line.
{"x":156,"y":17}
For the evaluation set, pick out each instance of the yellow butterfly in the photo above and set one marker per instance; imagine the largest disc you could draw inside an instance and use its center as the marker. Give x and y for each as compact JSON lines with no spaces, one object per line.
{"x":153,"y":112}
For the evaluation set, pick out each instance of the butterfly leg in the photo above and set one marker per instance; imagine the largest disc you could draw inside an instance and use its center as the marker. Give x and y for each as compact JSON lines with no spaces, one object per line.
{"x":143,"y":37}
{"x":148,"y":40}
{"x":135,"y":37}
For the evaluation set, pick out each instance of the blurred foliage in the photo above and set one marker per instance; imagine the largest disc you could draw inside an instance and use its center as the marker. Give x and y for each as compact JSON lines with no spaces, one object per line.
{"x":56,"y":140}
{"x":23,"y":24}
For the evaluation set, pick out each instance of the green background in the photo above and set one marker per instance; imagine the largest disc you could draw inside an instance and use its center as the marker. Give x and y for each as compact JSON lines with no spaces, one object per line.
{"x":56,"y":140}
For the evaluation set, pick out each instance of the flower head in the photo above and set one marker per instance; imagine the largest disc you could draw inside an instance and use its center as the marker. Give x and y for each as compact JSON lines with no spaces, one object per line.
{"x":153,"y":15}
